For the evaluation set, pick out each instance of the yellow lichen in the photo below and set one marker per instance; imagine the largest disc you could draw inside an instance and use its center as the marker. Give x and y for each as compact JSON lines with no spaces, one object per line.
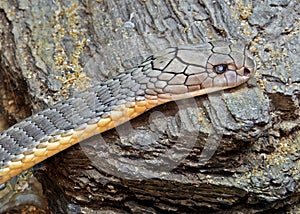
{"x":241,"y":11}
{"x":68,"y":67}
{"x":201,"y":115}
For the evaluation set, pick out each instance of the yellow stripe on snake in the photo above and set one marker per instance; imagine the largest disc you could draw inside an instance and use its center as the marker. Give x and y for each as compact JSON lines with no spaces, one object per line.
{"x":173,"y":74}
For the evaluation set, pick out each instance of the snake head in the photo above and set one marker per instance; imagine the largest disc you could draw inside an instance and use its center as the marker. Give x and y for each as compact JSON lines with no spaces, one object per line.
{"x":189,"y":71}
{"x":229,"y":65}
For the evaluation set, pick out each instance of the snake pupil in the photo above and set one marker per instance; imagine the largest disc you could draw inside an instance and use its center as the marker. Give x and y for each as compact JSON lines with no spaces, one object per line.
{"x":220,"y":69}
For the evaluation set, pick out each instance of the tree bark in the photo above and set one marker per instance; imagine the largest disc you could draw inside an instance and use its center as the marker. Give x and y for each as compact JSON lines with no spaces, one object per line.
{"x":234,"y":151}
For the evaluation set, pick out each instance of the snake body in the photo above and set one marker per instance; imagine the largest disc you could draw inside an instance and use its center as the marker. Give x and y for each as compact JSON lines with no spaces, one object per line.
{"x":174,"y":73}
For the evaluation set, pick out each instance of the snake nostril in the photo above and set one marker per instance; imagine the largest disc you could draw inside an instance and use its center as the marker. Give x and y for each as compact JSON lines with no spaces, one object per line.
{"x":247,"y":72}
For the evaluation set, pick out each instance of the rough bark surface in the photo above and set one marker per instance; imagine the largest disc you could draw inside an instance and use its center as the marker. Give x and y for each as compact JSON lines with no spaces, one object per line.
{"x":232,"y":151}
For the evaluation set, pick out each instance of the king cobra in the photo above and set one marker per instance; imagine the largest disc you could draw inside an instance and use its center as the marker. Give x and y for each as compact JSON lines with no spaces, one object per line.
{"x":174,"y":73}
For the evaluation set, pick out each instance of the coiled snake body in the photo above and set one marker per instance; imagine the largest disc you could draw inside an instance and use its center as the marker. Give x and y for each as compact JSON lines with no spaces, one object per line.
{"x":172,"y":74}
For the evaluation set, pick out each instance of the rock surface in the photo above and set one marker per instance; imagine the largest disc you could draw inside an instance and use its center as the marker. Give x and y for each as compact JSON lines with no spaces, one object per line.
{"x":236,"y":150}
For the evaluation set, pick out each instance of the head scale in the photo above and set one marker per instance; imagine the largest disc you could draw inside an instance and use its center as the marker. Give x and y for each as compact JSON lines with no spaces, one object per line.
{"x":196,"y":70}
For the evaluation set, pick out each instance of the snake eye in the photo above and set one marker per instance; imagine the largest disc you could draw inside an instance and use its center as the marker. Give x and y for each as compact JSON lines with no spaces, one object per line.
{"x":220,"y":69}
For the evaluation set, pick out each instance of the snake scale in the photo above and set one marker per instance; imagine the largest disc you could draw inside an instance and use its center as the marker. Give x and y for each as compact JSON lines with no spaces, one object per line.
{"x":172,"y":74}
